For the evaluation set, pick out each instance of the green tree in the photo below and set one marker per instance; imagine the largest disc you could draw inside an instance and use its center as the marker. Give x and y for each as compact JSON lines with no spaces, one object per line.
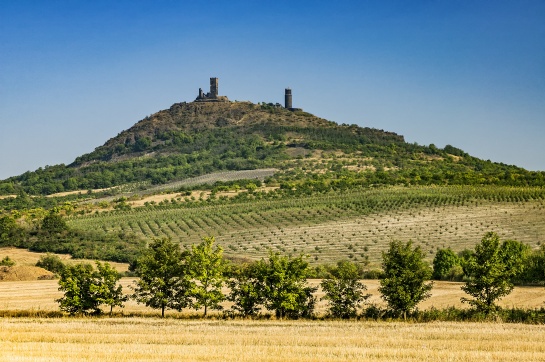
{"x":282,"y":281}
{"x":10,"y":232}
{"x":142,"y":143}
{"x":534,"y":267}
{"x":251,"y":187}
{"x":444,"y":264}
{"x":245,"y":291}
{"x":491,"y":271}
{"x":163,"y":278}
{"x":344,"y":291}
{"x":110,"y":292}
{"x":54,"y":223}
{"x":80,"y":284}
{"x":206,"y":267}
{"x":403,"y":284}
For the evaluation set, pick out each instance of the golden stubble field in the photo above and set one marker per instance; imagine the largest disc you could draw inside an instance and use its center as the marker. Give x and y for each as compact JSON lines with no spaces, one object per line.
{"x":150,"y":338}
{"x":153,"y":339}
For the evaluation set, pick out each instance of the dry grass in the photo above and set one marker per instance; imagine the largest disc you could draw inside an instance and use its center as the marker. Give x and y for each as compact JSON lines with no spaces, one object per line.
{"x":66,"y":193}
{"x":23,"y":272}
{"x":151,"y":339}
{"x":23,"y":257}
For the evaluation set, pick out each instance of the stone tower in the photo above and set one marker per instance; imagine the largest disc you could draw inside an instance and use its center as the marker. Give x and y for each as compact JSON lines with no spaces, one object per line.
{"x":213,"y":87}
{"x":287,"y":99}
{"x":211,"y":96}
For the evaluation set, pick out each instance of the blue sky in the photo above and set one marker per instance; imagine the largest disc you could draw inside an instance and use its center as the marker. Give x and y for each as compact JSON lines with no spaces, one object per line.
{"x":467,"y":73}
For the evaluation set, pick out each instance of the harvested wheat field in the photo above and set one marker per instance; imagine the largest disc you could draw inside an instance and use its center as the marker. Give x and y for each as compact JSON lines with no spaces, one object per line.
{"x":172,"y":339}
{"x":150,"y":339}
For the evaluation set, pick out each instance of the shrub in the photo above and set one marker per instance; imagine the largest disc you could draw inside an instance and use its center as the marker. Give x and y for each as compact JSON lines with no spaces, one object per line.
{"x":7,"y":261}
{"x":444,"y":263}
{"x":51,"y":262}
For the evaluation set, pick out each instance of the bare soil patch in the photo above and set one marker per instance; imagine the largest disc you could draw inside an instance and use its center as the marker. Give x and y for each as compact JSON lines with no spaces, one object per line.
{"x":196,"y":194}
{"x":66,"y":193}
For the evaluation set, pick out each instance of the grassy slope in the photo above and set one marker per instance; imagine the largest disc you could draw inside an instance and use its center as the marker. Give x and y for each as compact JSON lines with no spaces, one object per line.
{"x":341,"y":224}
{"x":23,"y":257}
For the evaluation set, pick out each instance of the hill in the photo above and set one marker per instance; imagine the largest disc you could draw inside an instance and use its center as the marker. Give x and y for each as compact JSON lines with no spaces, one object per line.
{"x":194,"y":139}
{"x":261,"y":177}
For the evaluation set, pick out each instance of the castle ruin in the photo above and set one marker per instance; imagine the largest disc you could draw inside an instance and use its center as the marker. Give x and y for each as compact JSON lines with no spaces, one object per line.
{"x":211,"y":96}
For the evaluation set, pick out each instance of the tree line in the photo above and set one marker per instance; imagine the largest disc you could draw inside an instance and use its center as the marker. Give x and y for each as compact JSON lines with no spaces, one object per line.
{"x":169,"y":278}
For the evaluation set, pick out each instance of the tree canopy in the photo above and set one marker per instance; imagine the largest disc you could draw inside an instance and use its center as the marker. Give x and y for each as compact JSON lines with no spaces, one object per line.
{"x":444,"y":264}
{"x":403,"y":284}
{"x":491,"y":270}
{"x":282,"y":281}
{"x":164,"y":281}
{"x":344,"y":291}
{"x":206,"y":268}
{"x":86,"y":289}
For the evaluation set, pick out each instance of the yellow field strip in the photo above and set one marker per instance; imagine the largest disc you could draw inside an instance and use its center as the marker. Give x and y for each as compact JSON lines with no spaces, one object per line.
{"x":41,"y":294}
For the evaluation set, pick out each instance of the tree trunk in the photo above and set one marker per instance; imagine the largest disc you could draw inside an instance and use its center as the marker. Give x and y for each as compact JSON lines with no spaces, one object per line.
{"x":162,"y":311}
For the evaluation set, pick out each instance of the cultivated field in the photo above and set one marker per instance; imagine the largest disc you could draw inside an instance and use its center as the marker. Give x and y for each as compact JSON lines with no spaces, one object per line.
{"x":351,"y":225}
{"x":131,"y":190}
{"x":151,"y":339}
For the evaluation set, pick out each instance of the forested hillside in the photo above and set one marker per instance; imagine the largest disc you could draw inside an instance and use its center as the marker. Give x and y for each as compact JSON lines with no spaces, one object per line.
{"x":192,"y":139}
